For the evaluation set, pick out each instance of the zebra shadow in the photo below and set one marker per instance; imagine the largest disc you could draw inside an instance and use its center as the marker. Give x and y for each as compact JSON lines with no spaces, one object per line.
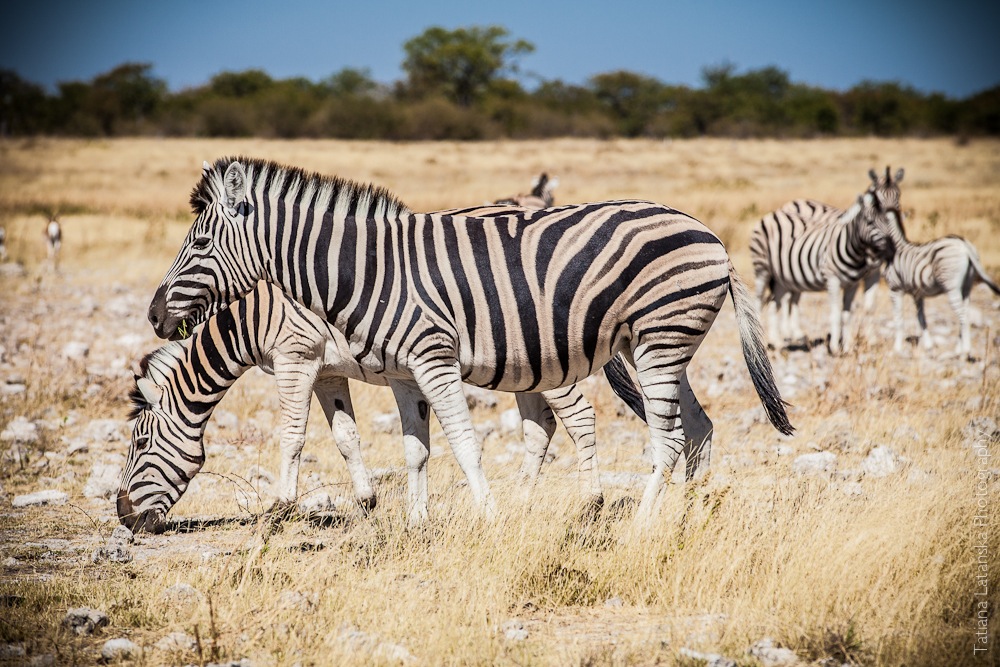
{"x":201,"y":524}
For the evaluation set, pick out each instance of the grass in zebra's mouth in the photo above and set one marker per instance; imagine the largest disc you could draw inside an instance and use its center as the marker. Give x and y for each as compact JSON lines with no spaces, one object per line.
{"x":836,"y":564}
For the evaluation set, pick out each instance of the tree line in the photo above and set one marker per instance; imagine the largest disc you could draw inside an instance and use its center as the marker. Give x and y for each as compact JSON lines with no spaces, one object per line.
{"x":466,"y":84}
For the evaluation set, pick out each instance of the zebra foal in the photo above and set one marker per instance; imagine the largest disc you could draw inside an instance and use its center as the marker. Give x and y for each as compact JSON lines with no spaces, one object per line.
{"x":948,"y":265}
{"x":526,"y":302}
{"x":808,"y":246}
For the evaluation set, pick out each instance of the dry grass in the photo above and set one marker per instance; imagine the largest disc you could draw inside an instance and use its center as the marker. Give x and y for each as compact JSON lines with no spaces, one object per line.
{"x":861,"y":569}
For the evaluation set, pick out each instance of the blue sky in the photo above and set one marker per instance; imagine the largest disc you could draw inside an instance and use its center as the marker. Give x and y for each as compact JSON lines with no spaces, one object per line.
{"x":950,"y":47}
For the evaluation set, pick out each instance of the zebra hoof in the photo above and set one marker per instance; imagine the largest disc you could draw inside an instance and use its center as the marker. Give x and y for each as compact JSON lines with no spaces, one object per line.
{"x":367,"y":504}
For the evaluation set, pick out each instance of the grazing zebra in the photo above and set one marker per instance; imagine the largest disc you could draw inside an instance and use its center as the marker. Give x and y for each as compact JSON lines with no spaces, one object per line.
{"x":806,"y":246}
{"x":3,"y":244}
{"x":526,"y":302}
{"x":53,"y":239}
{"x":183,"y":381}
{"x":539,"y":197}
{"x":948,"y":265}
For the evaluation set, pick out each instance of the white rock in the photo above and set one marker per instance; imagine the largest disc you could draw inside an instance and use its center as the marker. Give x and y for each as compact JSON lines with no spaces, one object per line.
{"x":852,"y":489}
{"x":510,"y":421}
{"x":485,"y":430}
{"x":710,"y":659}
{"x":46,"y":497}
{"x":225,"y":419}
{"x":13,"y":388}
{"x":20,"y":431}
{"x":614,"y":602}
{"x":477,"y":397}
{"x":770,"y":655}
{"x":386,"y":422}
{"x":315,"y":502}
{"x":881,"y":462}
{"x":177,"y":642}
{"x":10,"y":561}
{"x":103,"y":481}
{"x":514,"y":630}
{"x":84,"y":620}
{"x":784,"y":450}
{"x":814,"y":464}
{"x":76,"y":446}
{"x":123,"y":533}
{"x":104,"y":430}
{"x":255,"y":473}
{"x":182,"y":594}
{"x":117,"y":649}
{"x":363,"y":642}
{"x":131,"y":341}
{"x":11,"y":651}
{"x":299,"y":601}
{"x":75,"y":350}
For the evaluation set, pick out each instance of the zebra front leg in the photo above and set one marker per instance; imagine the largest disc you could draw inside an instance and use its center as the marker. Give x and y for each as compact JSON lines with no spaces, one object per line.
{"x":660,"y":383}
{"x":925,"y":337}
{"x":578,"y":418}
{"x":772,"y":308}
{"x":698,"y":431}
{"x":847,"y":334}
{"x":295,"y":381}
{"x":335,"y":398}
{"x":959,"y":301}
{"x":414,"y":416}
{"x":833,"y":289}
{"x":871,"y":281}
{"x":538,"y":425}
{"x":897,"y":318}
{"x":441,"y":384}
{"x":793,"y":315}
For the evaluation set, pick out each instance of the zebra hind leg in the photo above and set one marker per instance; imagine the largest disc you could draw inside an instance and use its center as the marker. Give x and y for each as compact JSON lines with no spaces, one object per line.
{"x":925,"y":337}
{"x":698,"y":431}
{"x":660,"y":379}
{"x":580,"y":421}
{"x":335,"y":398}
{"x":414,"y":416}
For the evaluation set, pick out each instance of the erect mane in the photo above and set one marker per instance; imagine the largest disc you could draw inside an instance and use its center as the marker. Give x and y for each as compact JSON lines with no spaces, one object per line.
{"x":270,"y":175}
{"x":153,"y":367}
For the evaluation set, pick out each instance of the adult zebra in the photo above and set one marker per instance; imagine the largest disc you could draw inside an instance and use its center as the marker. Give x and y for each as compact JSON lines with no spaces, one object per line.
{"x":948,"y":265}
{"x":540,"y":196}
{"x":808,"y":246}
{"x":525,"y":302}
{"x":183,"y":381}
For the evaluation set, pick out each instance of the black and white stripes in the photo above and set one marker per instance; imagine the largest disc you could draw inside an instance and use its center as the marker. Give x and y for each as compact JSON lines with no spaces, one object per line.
{"x":526,"y":302}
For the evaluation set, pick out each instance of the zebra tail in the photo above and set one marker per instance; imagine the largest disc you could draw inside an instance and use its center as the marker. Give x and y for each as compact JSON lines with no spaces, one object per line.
{"x":755,"y":354}
{"x":978,"y":266}
{"x":621,"y":383}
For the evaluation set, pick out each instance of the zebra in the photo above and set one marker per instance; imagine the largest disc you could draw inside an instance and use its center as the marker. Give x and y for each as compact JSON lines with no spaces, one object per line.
{"x":183,"y":381}
{"x":948,"y":265}
{"x":53,"y":239}
{"x":807,"y":246}
{"x":527,"y":302}
{"x":3,"y":244}
{"x":540,"y":196}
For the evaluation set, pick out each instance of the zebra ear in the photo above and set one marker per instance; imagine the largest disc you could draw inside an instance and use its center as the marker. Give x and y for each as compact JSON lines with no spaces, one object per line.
{"x":206,"y":168}
{"x":150,"y":391}
{"x":553,"y":184}
{"x":236,"y":184}
{"x":872,"y":175}
{"x":899,"y":175}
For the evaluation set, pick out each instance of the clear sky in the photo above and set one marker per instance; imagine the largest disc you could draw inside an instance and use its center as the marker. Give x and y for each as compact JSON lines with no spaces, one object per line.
{"x":951,"y":47}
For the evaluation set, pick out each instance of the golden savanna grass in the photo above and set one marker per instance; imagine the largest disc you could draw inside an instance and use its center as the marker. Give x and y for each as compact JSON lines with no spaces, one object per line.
{"x":842,"y":566}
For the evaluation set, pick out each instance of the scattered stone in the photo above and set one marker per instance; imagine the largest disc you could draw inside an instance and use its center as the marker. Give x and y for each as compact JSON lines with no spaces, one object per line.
{"x":980,"y":430}
{"x":10,"y":561}
{"x":131,"y":341}
{"x":310,"y":458}
{"x":614,"y":602}
{"x":20,"y":431}
{"x":84,"y":620}
{"x":103,"y":481}
{"x":485,"y":430}
{"x":10,"y":388}
{"x":815,"y":464}
{"x":75,"y":350}
{"x":510,"y":421}
{"x":116,"y":549}
{"x":770,"y":655}
{"x":47,"y":497}
{"x":76,"y":446}
{"x":514,"y":630}
{"x":302,"y":602}
{"x":43,"y":660}
{"x":123,"y":533}
{"x":316,"y":502}
{"x":477,"y":397}
{"x":852,"y":489}
{"x":258,"y":474}
{"x":182,"y":594}
{"x":11,"y":651}
{"x":242,"y":662}
{"x":104,"y":430}
{"x":362,"y":642}
{"x":119,"y":649}
{"x":710,"y":659}
{"x":225,"y":419}
{"x":784,"y":450}
{"x":177,"y":642}
{"x":17,"y":454}
{"x":386,"y":422}
{"x":881,"y":462}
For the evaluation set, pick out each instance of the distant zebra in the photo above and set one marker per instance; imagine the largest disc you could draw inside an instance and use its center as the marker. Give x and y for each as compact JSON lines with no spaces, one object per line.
{"x":3,"y":244}
{"x":183,"y":381}
{"x":540,"y":196}
{"x":948,"y":265}
{"x":53,"y":240}
{"x":526,"y":302}
{"x":807,"y":246}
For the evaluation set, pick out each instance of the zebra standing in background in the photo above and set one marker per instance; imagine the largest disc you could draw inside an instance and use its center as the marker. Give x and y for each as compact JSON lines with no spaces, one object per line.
{"x":540,"y":196}
{"x":3,"y":244}
{"x":948,"y":265}
{"x":53,"y":240}
{"x":183,"y":381}
{"x":806,"y":246}
{"x":526,"y":302}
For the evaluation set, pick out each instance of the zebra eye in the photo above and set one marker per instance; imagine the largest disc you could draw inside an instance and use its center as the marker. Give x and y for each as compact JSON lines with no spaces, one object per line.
{"x":142,"y":442}
{"x":201,"y":243}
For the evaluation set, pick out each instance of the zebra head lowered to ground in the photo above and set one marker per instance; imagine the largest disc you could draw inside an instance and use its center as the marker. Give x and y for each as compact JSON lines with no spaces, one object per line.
{"x":526,"y":302}
{"x":541,"y":195}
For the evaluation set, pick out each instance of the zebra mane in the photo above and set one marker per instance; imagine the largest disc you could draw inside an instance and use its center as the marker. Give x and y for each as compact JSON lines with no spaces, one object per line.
{"x":153,"y":367}
{"x":273,"y":176}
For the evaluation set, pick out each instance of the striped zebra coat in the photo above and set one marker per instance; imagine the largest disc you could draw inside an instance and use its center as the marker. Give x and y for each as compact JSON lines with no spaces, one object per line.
{"x":526,"y":302}
{"x":948,"y":266}
{"x":808,"y":246}
{"x":183,"y":381}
